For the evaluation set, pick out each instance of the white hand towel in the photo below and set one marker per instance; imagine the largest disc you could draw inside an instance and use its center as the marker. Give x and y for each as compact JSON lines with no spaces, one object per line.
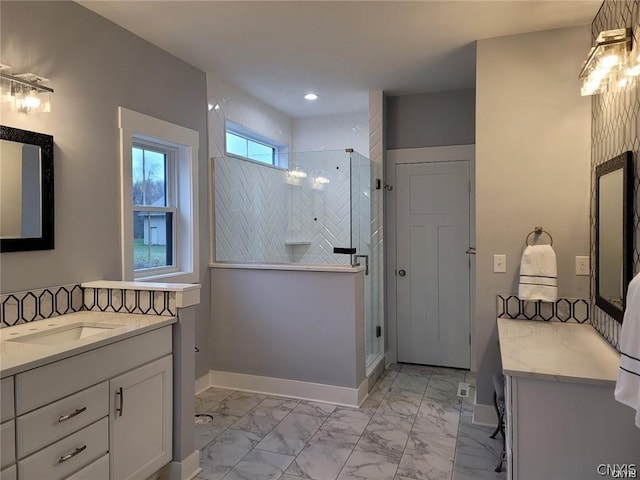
{"x":628,"y":383}
{"x":538,"y":274}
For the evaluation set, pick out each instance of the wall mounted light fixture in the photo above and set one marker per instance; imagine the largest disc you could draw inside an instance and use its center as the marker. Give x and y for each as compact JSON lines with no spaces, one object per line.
{"x":609,"y":65}
{"x":27,"y":92}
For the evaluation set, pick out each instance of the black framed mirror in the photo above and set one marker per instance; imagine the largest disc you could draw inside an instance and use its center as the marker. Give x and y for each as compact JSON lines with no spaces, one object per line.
{"x":614,"y":233}
{"x":26,"y":190}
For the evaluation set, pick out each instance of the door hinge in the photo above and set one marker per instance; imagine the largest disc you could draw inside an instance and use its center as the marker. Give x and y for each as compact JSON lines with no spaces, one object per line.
{"x":469,"y":186}
{"x":469,"y":339}
{"x":378,"y":331}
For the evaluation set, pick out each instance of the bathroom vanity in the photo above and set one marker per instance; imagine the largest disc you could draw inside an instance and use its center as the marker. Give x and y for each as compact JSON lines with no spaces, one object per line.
{"x":562,"y":421}
{"x":86,"y":396}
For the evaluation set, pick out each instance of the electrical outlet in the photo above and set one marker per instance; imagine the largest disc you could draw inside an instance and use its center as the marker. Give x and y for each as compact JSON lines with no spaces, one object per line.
{"x":499,"y":264}
{"x":582,"y":266}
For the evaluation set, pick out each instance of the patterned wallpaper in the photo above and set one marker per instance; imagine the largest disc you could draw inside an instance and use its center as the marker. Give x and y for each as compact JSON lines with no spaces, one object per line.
{"x":614,"y":130}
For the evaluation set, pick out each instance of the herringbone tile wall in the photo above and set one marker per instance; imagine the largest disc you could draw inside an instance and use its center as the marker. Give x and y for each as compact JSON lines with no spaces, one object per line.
{"x":251,"y":215}
{"x":264,"y":216}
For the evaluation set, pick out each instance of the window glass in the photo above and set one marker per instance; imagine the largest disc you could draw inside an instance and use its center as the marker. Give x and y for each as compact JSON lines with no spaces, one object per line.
{"x":152,"y":239}
{"x":149,"y":177}
{"x":249,"y":148}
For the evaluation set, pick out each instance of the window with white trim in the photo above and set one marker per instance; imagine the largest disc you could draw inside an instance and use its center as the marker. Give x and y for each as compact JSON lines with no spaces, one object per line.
{"x":154,"y":208}
{"x":245,"y":143}
{"x":159,"y":199}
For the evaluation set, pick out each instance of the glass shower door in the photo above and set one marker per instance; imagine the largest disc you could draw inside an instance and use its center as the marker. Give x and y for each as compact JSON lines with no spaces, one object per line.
{"x":363,"y":194}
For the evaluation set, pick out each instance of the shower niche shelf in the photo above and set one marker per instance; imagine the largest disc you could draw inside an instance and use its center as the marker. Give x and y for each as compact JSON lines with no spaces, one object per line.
{"x":294,"y":243}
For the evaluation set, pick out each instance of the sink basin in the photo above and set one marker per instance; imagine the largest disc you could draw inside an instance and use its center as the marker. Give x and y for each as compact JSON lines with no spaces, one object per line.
{"x":65,"y":334}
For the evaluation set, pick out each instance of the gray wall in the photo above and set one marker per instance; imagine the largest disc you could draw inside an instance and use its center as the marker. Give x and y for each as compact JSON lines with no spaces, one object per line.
{"x":431,"y":119}
{"x":532,"y":169}
{"x":94,"y":67}
{"x":296,"y":325}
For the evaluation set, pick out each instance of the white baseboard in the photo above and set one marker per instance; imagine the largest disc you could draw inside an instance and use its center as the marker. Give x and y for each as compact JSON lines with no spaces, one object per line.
{"x":203,"y":383}
{"x":187,"y":469}
{"x":484,"y":415}
{"x":317,"y":392}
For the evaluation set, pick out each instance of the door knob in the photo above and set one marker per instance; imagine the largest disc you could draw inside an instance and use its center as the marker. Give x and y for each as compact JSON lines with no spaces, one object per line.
{"x":402,"y":273}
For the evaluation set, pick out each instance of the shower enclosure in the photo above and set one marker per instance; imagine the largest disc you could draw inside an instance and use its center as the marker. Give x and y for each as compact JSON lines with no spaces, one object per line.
{"x":323,"y":208}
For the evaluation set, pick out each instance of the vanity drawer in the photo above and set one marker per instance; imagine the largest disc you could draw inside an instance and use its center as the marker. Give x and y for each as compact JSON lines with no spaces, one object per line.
{"x":10,"y":473}
{"x":68,"y":455}
{"x":48,"y":424}
{"x":48,"y":383}
{"x":7,"y":443}
{"x":7,"y":409}
{"x":98,"y":470}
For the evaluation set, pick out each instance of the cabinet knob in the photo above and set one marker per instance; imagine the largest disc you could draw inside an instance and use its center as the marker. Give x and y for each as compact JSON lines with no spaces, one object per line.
{"x":402,"y":273}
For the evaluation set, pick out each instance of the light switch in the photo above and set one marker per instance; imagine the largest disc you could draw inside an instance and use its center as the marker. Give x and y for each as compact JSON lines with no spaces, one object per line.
{"x":499,"y":264}
{"x":582,"y":266}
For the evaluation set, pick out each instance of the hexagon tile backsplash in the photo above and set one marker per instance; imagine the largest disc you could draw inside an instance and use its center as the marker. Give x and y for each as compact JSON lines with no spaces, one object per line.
{"x":574,"y":310}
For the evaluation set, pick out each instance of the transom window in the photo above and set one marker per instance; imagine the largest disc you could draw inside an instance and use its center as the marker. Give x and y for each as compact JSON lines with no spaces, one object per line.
{"x":242,"y":142}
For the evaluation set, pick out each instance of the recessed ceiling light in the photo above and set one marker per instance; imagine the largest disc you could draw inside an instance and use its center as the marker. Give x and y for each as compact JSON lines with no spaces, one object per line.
{"x":311,"y":96}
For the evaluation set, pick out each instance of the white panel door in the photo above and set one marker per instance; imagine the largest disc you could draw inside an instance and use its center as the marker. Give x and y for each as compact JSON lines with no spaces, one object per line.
{"x":433,"y":266}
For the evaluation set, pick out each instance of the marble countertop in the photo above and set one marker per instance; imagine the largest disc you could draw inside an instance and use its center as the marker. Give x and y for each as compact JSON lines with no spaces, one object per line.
{"x":18,"y":356}
{"x":567,"y":352}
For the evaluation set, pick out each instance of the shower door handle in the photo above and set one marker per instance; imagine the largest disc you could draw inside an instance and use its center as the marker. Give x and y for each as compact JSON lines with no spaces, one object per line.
{"x":366,"y":262}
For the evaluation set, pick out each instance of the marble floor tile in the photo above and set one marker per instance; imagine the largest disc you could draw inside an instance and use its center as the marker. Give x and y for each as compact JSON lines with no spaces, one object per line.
{"x":414,"y":382}
{"x":438,"y":421}
{"x":316,"y":409}
{"x":470,"y":467}
{"x":386,"y":434}
{"x":260,"y":465}
{"x":454,"y":373}
{"x":280,"y":403}
{"x":373,"y":400}
{"x":425,"y":466}
{"x":399,"y":433}
{"x":368,"y":466}
{"x":394,"y":367}
{"x":216,"y":394}
{"x":238,"y":403}
{"x":400,"y":402}
{"x":436,"y":443}
{"x":425,"y":370}
{"x":345,"y":420}
{"x":470,"y":377}
{"x":203,"y":405}
{"x":442,"y":388}
{"x":220,"y":456}
{"x":260,"y":420}
{"x":206,"y":432}
{"x":324,"y":456}
{"x":291,"y":435}
{"x":474,"y":440}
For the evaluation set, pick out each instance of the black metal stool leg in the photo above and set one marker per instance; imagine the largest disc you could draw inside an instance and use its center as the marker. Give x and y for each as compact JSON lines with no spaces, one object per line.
{"x":495,"y":404}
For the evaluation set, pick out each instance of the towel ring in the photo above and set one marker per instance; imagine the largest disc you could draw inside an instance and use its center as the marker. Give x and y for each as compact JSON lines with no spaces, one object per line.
{"x":537,"y":232}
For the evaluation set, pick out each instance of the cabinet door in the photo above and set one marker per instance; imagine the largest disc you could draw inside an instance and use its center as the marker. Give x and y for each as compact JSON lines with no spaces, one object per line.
{"x":140,"y":421}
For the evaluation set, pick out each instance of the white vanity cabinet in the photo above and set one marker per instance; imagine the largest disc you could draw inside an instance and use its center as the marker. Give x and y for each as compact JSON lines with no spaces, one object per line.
{"x":140,"y":420}
{"x":103,"y":414}
{"x":7,"y":430}
{"x":562,"y":420}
